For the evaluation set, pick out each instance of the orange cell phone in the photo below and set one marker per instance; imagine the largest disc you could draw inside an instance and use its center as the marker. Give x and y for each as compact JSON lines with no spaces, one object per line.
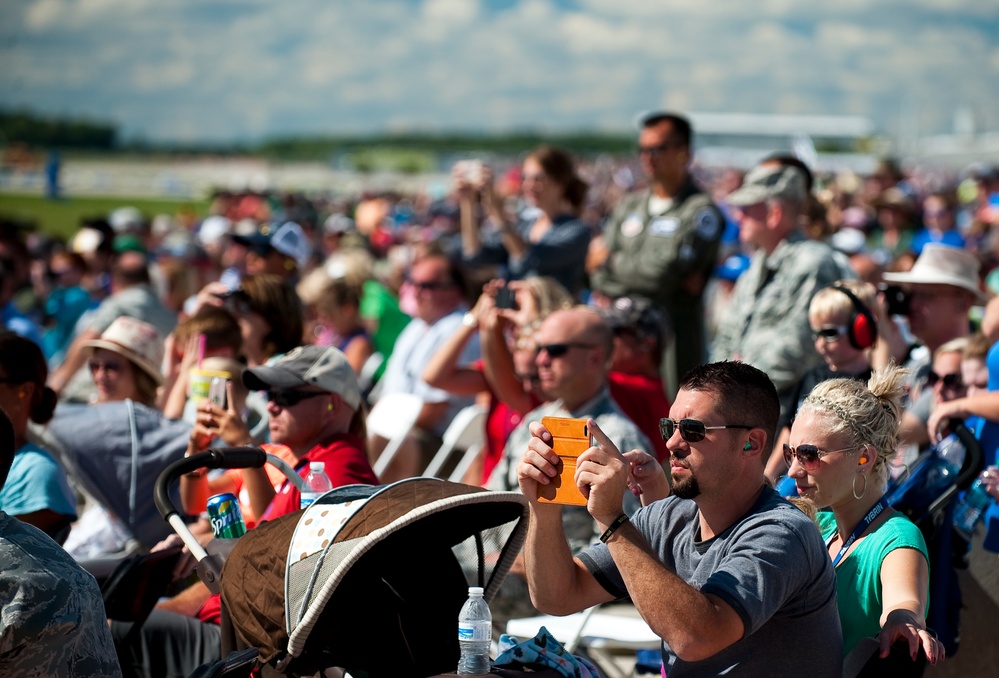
{"x":570,"y":439}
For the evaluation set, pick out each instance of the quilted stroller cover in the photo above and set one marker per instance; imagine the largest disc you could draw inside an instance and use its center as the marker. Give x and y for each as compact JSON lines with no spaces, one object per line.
{"x":371,"y":578}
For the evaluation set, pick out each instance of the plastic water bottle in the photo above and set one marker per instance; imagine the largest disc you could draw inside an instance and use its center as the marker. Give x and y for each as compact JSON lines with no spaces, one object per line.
{"x":969,"y":512}
{"x":317,"y":483}
{"x":950,"y":454}
{"x":475,"y":632}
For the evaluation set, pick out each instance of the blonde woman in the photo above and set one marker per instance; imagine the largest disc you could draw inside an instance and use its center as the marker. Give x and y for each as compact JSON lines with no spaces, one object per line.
{"x":840,"y":444}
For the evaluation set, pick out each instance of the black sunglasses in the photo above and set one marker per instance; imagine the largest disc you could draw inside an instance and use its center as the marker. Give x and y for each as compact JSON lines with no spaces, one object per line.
{"x":829,"y":334}
{"x":949,"y":380}
{"x":808,"y":455}
{"x":660,"y":148}
{"x":691,"y":430}
{"x":559,"y":350}
{"x":431,"y":286}
{"x":291,"y":398}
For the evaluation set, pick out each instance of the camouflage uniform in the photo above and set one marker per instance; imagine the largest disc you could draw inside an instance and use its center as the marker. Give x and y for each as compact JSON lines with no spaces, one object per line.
{"x":667,"y":258}
{"x":767,"y":321}
{"x":52,"y":620}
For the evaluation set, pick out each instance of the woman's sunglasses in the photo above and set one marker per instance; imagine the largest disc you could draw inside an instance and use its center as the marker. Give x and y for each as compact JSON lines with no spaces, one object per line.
{"x":291,"y":398}
{"x":808,"y":455}
{"x":109,"y":366}
{"x":691,"y":430}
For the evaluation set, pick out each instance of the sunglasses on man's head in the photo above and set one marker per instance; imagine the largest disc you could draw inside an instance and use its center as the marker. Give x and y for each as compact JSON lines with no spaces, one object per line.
{"x":808,"y":455}
{"x":691,"y":430}
{"x":949,"y":380}
{"x":559,"y":350}
{"x":291,"y":398}
{"x":829,"y":334}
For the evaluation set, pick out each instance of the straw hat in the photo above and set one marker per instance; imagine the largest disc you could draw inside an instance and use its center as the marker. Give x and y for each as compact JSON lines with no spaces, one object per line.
{"x":943,"y":265}
{"x":136,"y":340}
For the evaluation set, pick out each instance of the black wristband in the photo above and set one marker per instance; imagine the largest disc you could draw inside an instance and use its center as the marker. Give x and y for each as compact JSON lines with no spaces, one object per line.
{"x":618,"y":522}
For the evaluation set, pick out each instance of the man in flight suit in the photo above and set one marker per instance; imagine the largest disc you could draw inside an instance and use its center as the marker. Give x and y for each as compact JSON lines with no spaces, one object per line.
{"x":662,"y":242}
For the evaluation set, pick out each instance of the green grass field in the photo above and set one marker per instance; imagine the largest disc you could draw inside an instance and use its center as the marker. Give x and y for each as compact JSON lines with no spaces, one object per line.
{"x":61,"y":218}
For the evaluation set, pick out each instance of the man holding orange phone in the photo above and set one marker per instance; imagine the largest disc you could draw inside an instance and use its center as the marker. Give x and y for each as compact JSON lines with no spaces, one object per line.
{"x":724,"y":569}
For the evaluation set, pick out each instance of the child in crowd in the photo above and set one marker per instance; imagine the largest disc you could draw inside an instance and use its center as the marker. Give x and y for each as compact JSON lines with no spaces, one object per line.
{"x":844,"y":327}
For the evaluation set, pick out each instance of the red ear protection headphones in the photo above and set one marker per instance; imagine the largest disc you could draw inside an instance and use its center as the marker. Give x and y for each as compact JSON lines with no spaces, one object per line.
{"x":862,"y":329}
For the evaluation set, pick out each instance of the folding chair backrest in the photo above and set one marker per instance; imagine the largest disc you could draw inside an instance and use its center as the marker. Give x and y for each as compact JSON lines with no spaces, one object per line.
{"x":132,"y":590}
{"x":391,"y":418}
{"x":467,"y":433}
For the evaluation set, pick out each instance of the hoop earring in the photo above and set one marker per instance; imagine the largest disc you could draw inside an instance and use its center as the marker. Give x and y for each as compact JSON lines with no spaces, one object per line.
{"x":861,"y":495}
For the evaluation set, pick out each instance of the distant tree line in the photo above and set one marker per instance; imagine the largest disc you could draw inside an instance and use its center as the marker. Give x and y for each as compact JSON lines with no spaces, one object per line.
{"x":36,"y":131}
{"x":24,"y":127}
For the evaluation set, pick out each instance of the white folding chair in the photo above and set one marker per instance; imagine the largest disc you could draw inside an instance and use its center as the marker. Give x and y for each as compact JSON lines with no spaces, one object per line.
{"x":391,"y":418}
{"x":467,"y":431}
{"x":366,"y":378}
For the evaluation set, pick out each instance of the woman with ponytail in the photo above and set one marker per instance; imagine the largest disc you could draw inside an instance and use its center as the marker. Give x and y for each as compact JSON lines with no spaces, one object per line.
{"x":840,"y":445}
{"x":36,"y":491}
{"x":547,"y":238}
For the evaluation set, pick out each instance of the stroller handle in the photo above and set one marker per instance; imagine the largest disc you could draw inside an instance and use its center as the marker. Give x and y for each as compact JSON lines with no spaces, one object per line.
{"x":225,"y":457}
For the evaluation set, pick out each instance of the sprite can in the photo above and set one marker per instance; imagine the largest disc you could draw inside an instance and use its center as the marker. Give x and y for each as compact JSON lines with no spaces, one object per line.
{"x":225,"y":516}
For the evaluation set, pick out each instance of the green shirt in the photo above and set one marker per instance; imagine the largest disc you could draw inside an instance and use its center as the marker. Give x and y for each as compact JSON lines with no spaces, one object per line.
{"x":378,"y":304}
{"x":858,"y":575}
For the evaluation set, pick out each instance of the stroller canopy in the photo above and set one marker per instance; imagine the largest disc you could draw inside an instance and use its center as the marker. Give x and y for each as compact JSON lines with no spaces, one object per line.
{"x":372,"y":578}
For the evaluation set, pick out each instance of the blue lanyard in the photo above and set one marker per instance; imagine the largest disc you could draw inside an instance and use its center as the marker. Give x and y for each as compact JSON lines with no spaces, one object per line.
{"x":864,"y":523}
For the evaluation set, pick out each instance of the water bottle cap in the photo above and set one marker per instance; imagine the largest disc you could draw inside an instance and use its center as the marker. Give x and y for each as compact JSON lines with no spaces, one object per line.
{"x":475,"y":590}
{"x":317,"y":466}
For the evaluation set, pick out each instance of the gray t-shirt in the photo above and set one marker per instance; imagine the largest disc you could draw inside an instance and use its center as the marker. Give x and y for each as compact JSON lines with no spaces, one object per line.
{"x":770,"y":566}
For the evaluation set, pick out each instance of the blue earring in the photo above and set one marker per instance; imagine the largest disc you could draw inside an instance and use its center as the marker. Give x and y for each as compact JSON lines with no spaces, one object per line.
{"x":748,"y":446}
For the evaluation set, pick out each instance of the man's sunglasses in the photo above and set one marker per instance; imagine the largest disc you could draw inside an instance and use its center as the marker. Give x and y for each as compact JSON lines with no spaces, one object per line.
{"x":291,"y":398}
{"x":808,"y":455}
{"x":559,"y":350}
{"x":431,"y":285}
{"x":829,"y":334}
{"x":656,"y":150}
{"x":949,"y":380}
{"x":691,"y":430}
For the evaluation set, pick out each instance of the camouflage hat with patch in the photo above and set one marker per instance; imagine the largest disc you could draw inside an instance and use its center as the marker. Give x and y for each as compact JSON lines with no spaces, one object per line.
{"x":769,"y":181}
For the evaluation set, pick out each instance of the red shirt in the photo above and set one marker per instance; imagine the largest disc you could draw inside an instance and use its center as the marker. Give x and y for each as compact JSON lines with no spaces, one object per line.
{"x":644,"y":400}
{"x":346,"y":464}
{"x":500,"y":422}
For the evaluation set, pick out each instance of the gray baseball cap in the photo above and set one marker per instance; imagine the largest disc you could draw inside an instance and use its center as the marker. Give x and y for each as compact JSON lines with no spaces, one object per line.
{"x":324,"y":367}
{"x":769,"y":181}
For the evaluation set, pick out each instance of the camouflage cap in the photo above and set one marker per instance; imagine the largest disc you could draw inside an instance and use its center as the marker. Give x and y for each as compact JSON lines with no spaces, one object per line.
{"x":769,"y":181}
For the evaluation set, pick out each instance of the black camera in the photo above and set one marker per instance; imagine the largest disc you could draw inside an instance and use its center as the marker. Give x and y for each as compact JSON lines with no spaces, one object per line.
{"x":896,"y":299}
{"x":506,"y":298}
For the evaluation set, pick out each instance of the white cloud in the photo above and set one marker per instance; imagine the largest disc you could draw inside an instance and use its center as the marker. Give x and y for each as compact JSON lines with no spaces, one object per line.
{"x":239,"y":68}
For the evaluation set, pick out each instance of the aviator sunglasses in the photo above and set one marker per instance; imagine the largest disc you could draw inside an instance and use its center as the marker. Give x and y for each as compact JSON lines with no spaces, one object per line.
{"x":691,"y":430}
{"x":291,"y":398}
{"x":809,"y":455}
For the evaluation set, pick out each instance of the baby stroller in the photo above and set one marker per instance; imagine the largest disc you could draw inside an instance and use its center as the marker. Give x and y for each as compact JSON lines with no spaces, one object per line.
{"x":368,"y":578}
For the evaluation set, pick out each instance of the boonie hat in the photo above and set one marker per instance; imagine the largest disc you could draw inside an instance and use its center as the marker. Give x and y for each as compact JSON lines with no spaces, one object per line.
{"x":769,"y":181}
{"x":135,"y":340}
{"x":324,"y":367}
{"x":943,"y":265}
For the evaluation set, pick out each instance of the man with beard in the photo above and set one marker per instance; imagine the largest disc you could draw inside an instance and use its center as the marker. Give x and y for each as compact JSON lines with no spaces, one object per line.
{"x":725,"y":569}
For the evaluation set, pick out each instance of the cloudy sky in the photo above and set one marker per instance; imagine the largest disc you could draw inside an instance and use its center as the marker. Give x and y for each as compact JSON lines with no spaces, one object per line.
{"x":185,"y":70}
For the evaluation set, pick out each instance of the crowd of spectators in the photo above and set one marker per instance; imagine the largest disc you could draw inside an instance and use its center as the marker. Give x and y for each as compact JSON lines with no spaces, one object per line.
{"x":583,"y":287}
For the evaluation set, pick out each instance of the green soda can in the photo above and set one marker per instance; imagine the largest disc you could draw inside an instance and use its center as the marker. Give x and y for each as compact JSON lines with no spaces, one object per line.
{"x":225,"y":516}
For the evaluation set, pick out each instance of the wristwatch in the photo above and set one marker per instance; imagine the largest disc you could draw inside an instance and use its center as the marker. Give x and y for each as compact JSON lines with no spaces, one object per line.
{"x":469,"y":320}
